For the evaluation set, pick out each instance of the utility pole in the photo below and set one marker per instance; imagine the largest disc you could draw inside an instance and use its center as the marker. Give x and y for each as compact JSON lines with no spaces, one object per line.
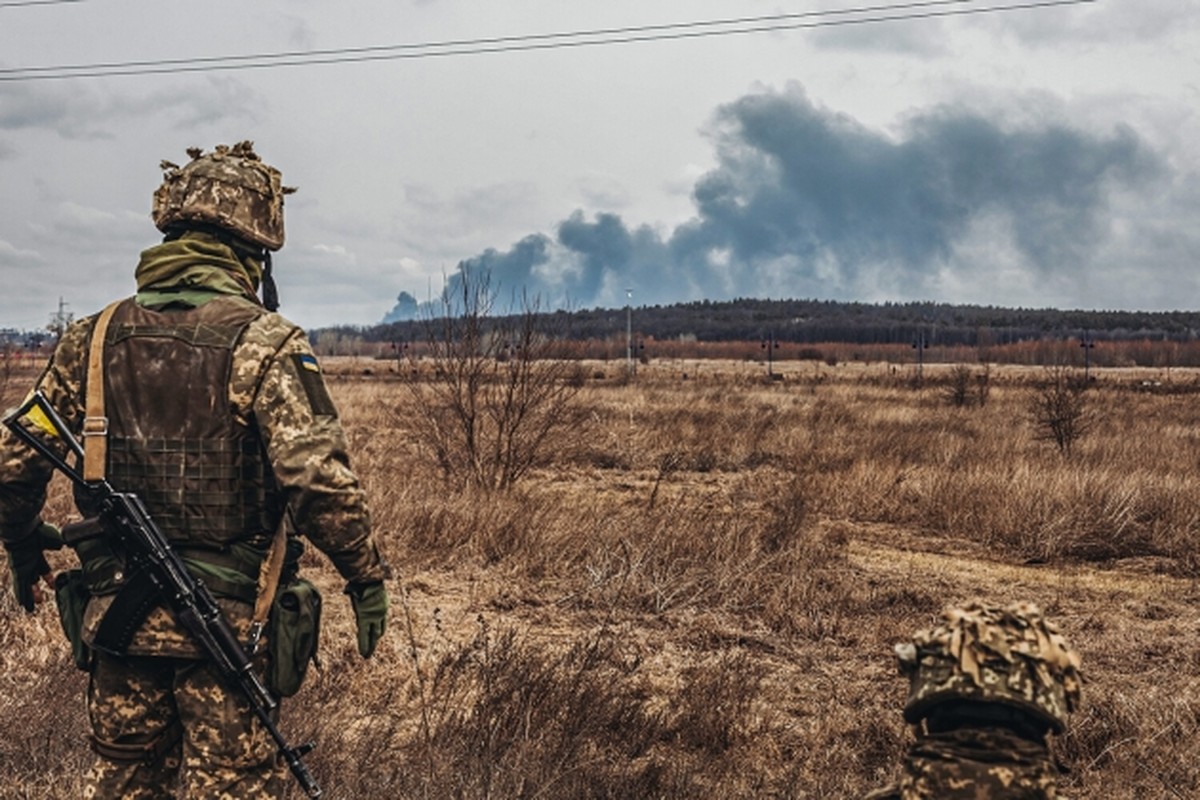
{"x":1087,"y":344}
{"x":629,"y":332}
{"x":920,"y":344}
{"x":770,"y":343}
{"x":60,"y":320}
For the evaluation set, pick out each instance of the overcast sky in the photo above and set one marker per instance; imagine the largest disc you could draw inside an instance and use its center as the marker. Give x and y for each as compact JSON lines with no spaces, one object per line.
{"x":1041,"y":157}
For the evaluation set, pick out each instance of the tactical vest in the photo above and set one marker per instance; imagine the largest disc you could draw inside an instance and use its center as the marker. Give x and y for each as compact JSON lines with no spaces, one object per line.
{"x":174,"y":438}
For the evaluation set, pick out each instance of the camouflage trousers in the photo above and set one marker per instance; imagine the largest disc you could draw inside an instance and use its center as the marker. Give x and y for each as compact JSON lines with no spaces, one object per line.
{"x":168,"y":728}
{"x":974,"y":764}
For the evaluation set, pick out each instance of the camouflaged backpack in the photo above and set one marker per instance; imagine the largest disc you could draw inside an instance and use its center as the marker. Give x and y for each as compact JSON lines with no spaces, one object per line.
{"x":230,"y":187}
{"x":1006,"y":655}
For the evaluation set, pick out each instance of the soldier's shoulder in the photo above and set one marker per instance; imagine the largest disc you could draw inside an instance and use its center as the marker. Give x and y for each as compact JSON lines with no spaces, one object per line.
{"x":267,"y":333}
{"x":269,"y":338}
{"x":71,"y":350}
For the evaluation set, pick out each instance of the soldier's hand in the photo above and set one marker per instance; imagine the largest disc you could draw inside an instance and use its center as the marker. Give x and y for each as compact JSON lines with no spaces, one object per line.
{"x":370,"y":601}
{"x":27,"y":560}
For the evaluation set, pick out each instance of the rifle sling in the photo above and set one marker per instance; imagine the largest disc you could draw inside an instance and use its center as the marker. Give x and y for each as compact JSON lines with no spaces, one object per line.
{"x":95,"y":423}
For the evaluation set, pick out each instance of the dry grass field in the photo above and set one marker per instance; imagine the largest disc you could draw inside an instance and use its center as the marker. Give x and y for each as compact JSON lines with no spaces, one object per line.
{"x":695,"y":592}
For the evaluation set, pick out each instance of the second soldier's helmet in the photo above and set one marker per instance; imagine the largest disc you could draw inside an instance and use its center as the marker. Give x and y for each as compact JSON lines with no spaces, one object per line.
{"x":1010,"y":655}
{"x":230,"y":187}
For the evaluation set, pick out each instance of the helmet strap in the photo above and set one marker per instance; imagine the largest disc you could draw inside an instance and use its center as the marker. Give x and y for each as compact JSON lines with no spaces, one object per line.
{"x":270,"y":294}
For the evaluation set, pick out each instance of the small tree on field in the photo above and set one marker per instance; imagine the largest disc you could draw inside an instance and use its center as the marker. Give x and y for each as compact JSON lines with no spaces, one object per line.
{"x":491,"y":397}
{"x":1059,"y":408}
{"x":964,"y":388}
{"x":957,"y":391}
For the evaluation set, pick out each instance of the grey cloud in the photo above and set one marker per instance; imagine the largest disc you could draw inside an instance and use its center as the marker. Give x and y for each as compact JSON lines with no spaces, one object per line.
{"x":924,"y":38}
{"x":219,"y":100}
{"x":1101,"y":23}
{"x":83,"y":228}
{"x":300,"y":33}
{"x":602,"y":191}
{"x":461,"y":220}
{"x":82,"y":111}
{"x":806,"y":201}
{"x":1039,"y":27}
{"x":65,"y":109}
{"x":12,"y":257}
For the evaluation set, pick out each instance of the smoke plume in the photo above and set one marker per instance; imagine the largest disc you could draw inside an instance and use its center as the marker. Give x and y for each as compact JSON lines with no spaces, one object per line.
{"x":808,"y":202}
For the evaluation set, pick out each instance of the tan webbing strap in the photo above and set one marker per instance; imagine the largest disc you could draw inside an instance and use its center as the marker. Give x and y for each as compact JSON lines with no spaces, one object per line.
{"x":268,"y":581}
{"x":95,"y":423}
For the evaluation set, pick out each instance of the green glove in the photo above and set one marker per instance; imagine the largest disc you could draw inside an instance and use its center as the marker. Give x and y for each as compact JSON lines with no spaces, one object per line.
{"x":370,"y":603}
{"x":27,"y":561}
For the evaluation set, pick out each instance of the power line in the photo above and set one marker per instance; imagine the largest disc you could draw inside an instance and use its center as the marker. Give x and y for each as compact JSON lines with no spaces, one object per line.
{"x":492,"y":40}
{"x":457,"y":43}
{"x":522,"y":43}
{"x":37,"y":3}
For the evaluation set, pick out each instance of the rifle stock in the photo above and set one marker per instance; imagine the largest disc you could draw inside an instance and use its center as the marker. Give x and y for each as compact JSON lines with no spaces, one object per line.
{"x":124,"y":516}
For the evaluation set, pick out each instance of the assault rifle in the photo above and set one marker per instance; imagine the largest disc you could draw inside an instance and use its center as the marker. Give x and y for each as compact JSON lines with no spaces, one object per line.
{"x":149,"y":557}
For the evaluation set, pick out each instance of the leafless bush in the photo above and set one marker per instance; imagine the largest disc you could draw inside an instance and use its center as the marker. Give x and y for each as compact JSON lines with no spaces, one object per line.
{"x":957,"y":390}
{"x":491,"y":399}
{"x":1059,"y":408}
{"x":964,"y":387}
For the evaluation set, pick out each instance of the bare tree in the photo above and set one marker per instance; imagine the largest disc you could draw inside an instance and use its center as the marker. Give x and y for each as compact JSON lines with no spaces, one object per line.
{"x":492,"y":394}
{"x":957,"y":391}
{"x":1059,"y":408}
{"x":965,"y":388}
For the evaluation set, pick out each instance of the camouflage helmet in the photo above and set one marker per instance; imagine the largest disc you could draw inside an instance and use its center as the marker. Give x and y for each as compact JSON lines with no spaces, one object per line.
{"x":1006,"y":655}
{"x":230,"y":187}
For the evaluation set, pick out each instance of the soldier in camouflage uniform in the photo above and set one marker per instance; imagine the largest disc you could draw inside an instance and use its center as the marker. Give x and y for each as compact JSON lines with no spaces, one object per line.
{"x":987,"y":687}
{"x":219,"y":419}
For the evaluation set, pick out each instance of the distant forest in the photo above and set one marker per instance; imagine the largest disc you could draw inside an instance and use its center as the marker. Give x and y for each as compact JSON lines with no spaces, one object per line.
{"x":827,"y":321}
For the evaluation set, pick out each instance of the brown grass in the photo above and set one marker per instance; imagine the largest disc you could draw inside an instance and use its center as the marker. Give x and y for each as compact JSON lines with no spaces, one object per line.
{"x":698,"y":597}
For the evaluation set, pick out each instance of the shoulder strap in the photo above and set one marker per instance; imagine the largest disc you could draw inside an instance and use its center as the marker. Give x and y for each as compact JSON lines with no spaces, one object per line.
{"x":268,"y":580}
{"x":95,"y":423}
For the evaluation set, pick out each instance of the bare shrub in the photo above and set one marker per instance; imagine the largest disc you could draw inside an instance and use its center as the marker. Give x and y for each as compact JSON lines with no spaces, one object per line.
{"x":1059,"y":408}
{"x":957,"y":390}
{"x":491,"y":398}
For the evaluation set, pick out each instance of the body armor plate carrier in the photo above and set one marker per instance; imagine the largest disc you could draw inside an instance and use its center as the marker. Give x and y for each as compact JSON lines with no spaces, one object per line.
{"x":173,"y":437}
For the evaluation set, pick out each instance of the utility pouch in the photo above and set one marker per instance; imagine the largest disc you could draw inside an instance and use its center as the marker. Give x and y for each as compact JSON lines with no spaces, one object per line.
{"x":292,"y":633}
{"x":71,"y":596}
{"x":103,"y":569}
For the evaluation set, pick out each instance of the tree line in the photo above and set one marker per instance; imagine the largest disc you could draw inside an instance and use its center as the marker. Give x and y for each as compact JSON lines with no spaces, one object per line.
{"x":829,"y":321}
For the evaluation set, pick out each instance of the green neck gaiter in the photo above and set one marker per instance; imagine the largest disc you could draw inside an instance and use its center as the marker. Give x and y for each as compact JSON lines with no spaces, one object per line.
{"x":192,"y":270}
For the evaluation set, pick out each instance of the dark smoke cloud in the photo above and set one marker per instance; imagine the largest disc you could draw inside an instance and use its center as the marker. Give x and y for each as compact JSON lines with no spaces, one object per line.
{"x":807,"y":202}
{"x":513,"y":272}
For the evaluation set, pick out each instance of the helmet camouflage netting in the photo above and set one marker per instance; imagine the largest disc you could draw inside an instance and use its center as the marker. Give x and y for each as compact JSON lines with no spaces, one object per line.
{"x":230,"y":187}
{"x":1006,"y":655}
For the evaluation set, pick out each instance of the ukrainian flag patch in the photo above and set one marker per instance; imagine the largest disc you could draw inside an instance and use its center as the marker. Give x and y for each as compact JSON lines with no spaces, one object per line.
{"x":309,"y":373}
